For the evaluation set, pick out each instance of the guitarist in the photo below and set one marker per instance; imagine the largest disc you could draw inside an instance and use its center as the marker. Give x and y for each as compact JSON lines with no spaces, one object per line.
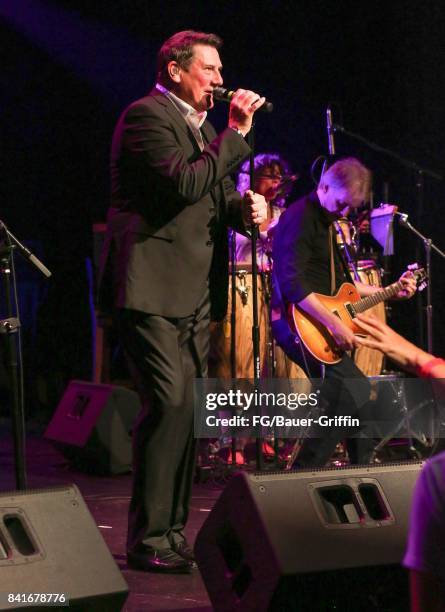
{"x":307,"y":260}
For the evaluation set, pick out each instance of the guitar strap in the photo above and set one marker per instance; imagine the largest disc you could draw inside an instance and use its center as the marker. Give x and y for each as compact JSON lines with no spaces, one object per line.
{"x":343,"y":263}
{"x":347,"y":257}
{"x":331,"y":251}
{"x":333,"y":245}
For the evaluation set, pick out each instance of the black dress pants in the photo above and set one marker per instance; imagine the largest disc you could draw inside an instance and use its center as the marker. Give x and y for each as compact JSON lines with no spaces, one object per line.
{"x":165,"y":355}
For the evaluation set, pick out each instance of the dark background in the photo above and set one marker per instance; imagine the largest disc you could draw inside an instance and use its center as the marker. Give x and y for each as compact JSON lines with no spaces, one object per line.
{"x":71,"y":66}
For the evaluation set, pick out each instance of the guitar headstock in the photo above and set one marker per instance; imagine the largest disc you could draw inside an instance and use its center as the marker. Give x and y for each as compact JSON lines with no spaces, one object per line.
{"x":420,"y":275}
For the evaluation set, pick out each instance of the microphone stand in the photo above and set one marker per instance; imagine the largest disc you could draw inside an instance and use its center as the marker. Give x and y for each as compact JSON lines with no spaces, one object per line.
{"x":10,"y":327}
{"x":331,"y":141}
{"x":429,"y":246}
{"x":255,"y":321}
{"x":375,"y":147}
{"x":233,"y":372}
{"x":348,"y":255}
{"x":420,"y":172}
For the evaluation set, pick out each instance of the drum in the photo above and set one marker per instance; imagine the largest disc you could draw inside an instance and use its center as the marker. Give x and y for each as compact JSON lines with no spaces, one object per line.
{"x":221,"y":333}
{"x":346,"y":233}
{"x":368,"y":360}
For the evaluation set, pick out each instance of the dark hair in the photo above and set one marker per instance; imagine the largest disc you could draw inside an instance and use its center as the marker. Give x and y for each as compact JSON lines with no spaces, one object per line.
{"x":261,"y":162}
{"x":179,"y":48}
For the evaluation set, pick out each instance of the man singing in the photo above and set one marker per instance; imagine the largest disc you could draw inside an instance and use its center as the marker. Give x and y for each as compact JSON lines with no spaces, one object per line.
{"x":165,"y":260}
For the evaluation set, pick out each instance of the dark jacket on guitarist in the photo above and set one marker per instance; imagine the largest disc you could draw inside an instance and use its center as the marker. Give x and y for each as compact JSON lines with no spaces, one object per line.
{"x":301,"y":253}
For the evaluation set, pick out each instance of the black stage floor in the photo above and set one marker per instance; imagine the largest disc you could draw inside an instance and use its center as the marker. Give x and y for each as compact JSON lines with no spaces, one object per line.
{"x":107,"y":498}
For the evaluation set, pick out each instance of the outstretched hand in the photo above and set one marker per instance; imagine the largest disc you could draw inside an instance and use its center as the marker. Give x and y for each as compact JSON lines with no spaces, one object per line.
{"x":383,"y":338}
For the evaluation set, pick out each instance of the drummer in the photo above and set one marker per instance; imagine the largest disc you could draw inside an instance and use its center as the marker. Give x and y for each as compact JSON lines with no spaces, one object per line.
{"x":273,"y":180}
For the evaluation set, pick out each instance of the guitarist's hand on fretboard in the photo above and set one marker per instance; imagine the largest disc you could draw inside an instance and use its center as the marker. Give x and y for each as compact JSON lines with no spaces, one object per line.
{"x":326,"y":323}
{"x":409,"y":283}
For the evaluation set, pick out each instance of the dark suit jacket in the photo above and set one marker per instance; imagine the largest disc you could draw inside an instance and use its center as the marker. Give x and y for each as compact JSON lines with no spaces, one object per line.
{"x":171,"y":205}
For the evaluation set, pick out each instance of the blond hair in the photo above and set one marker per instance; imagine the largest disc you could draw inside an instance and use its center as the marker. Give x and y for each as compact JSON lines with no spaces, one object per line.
{"x":349,"y":174}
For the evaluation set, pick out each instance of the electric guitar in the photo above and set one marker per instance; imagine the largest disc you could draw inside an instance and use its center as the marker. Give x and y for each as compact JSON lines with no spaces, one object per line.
{"x":346,"y":304}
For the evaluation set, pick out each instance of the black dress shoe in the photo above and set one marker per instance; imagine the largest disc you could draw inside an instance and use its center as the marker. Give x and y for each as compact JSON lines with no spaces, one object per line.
{"x":163,"y":560}
{"x":184,"y":550}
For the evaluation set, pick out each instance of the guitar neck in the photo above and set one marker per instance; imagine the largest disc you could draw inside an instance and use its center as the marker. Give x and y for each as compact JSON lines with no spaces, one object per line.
{"x":374,"y":299}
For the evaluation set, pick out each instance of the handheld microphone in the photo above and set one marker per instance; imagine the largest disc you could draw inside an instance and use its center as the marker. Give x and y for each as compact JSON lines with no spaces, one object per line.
{"x":225,"y":95}
{"x":330,"y":130}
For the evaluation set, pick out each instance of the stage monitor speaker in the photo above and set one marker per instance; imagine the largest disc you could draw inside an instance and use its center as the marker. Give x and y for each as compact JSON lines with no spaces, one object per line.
{"x":309,"y":540}
{"x":92,"y":426}
{"x":49,"y":544}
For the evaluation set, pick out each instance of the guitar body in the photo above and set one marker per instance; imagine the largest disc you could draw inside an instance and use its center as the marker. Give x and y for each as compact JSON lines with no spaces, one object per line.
{"x":314,"y":335}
